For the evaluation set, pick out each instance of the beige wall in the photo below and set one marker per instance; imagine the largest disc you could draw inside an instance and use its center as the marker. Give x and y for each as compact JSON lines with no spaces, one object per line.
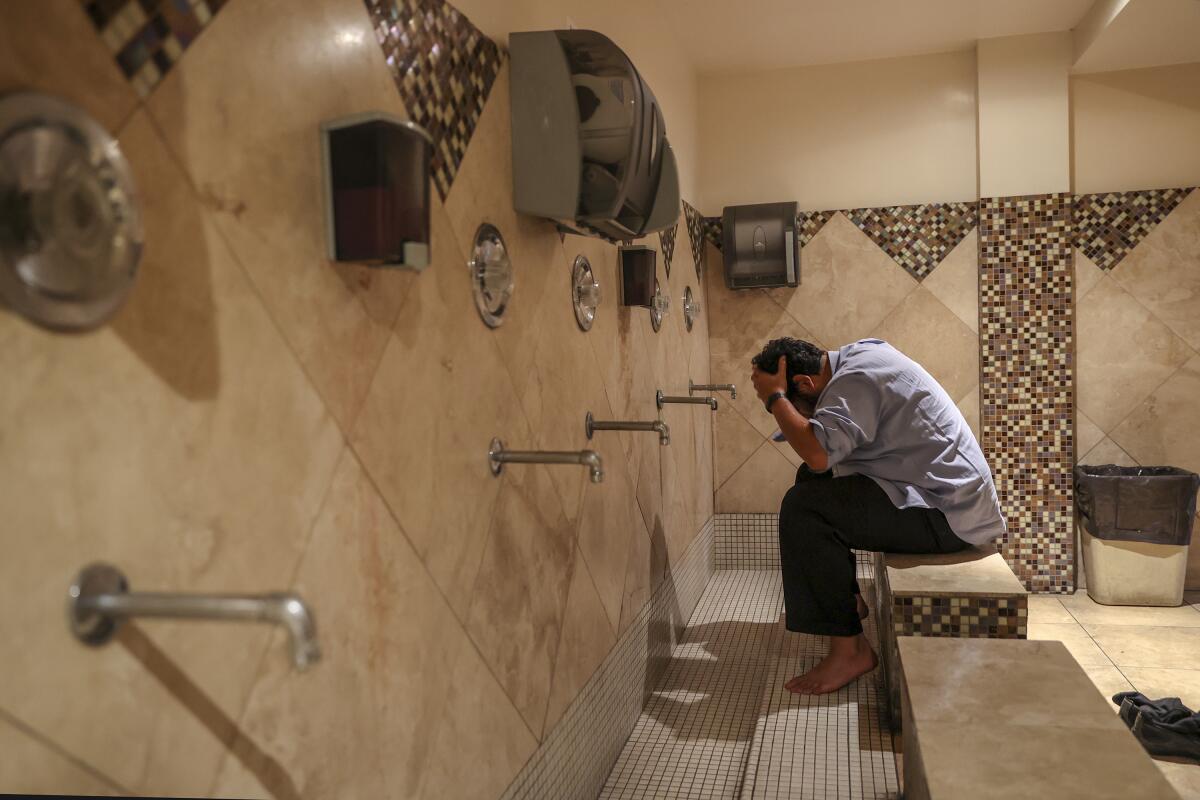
{"x":258,"y":419}
{"x":1024,"y":119}
{"x":1136,"y":129}
{"x":872,"y":133}
{"x":647,"y":35}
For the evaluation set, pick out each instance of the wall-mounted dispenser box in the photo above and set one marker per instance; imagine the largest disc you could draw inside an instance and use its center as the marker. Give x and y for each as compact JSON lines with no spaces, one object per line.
{"x":637,"y":275}
{"x":760,"y":245}
{"x":376,"y":172}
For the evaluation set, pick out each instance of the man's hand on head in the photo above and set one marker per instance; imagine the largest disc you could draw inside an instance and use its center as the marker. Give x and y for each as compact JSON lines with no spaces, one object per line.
{"x":767,"y":384}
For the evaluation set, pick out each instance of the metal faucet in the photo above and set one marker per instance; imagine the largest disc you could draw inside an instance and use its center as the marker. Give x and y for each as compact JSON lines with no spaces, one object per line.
{"x":100,"y":600}
{"x":591,"y":426}
{"x":713,"y":387}
{"x":660,"y":400}
{"x":498,"y":457}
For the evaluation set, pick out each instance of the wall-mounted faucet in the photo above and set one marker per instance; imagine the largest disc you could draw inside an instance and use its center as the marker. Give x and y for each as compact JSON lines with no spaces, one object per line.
{"x":661,"y":399}
{"x":99,"y":600}
{"x":498,"y":457}
{"x":664,"y":432}
{"x":713,"y":387}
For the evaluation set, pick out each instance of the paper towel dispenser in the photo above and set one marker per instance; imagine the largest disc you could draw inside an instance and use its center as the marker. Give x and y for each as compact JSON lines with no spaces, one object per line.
{"x":589,"y":147}
{"x":760,"y":245}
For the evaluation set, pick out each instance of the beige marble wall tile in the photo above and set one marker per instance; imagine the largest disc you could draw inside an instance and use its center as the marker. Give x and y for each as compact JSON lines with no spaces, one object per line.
{"x":645,"y":571}
{"x":1087,"y":275}
{"x":1164,"y":429}
{"x":51,"y":46}
{"x":1143,"y":646}
{"x":439,"y":396}
{"x":519,"y":596}
{"x":969,"y":408}
{"x":760,"y":484}
{"x":201,"y":476}
{"x":251,"y":148}
{"x":29,"y":765}
{"x":1108,"y":452}
{"x":848,"y":285}
{"x":1124,"y":352}
{"x":586,"y":639}
{"x":364,"y":721}
{"x":955,"y":281}
{"x":1163,"y":271}
{"x":608,"y":519}
{"x":1087,"y":434}
{"x":926,"y":331}
{"x":736,"y":441}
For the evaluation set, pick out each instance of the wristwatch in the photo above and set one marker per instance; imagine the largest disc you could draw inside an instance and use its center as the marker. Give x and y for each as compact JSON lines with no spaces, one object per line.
{"x":771,"y":400}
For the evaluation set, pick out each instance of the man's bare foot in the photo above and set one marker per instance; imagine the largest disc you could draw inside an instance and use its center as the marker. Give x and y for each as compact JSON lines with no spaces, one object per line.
{"x":849,"y":657}
{"x":863,"y":611}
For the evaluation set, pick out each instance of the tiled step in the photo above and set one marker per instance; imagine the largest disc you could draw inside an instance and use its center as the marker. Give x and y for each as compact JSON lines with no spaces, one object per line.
{"x":972,"y":594}
{"x":820,"y":747}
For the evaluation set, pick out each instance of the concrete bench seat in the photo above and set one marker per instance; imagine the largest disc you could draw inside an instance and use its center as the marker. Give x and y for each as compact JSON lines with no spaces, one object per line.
{"x":989,"y":718}
{"x":970,"y":594}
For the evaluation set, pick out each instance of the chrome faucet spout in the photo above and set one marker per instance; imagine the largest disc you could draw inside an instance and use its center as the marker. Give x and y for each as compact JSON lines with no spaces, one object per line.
{"x":498,"y":457}
{"x":713,"y":387}
{"x":661,"y":400}
{"x":591,"y":425}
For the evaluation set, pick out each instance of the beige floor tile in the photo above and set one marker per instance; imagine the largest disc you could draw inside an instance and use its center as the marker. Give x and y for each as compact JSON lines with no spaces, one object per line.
{"x":1155,"y":683}
{"x":1108,"y":681}
{"x":1184,"y":777}
{"x":1085,"y":610}
{"x":1137,"y":646}
{"x":1043,"y":608}
{"x":1074,"y":637}
{"x":257,"y":165}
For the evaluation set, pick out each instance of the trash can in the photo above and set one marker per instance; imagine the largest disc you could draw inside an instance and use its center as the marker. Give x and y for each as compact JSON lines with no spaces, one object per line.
{"x":1136,"y":525}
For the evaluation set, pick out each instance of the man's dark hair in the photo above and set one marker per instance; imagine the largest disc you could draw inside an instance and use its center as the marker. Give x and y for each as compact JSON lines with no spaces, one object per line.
{"x":803,"y":358}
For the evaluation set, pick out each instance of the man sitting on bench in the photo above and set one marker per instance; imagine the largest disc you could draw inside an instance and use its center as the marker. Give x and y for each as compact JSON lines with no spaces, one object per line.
{"x":890,"y":466}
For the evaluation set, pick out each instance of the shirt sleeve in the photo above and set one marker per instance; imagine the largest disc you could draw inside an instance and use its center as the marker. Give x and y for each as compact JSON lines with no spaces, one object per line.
{"x":848,"y":415}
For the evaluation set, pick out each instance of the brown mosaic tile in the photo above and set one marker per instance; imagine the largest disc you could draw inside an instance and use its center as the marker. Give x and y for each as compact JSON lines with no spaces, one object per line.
{"x":990,"y":617}
{"x":809,"y":224}
{"x":147,"y":37}
{"x":695,"y":227}
{"x":916,"y":237}
{"x":666,"y":241}
{"x":714,"y":231}
{"x":1108,"y":226}
{"x":1027,"y":382}
{"x":444,"y":68}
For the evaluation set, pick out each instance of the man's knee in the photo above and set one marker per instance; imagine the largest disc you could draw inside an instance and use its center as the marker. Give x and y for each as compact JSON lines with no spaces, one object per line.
{"x":802,"y":497}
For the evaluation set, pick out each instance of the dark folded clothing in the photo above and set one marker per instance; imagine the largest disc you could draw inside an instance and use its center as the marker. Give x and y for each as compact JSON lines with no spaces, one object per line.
{"x":1165,"y":727}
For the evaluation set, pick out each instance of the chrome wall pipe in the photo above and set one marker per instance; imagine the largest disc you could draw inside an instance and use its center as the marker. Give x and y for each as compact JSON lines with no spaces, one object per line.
{"x":657,"y":426}
{"x":498,"y":457}
{"x":100,"y":600}
{"x":713,"y":387}
{"x":661,"y":400}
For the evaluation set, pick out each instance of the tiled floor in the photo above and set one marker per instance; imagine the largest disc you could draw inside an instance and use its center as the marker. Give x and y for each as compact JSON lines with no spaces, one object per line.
{"x":1155,"y":651}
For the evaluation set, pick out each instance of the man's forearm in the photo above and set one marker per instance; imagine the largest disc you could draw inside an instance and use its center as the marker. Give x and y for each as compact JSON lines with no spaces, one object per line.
{"x":799,"y":434}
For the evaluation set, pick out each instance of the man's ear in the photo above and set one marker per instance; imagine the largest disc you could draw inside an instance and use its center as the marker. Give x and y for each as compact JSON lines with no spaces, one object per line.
{"x":803,"y":383}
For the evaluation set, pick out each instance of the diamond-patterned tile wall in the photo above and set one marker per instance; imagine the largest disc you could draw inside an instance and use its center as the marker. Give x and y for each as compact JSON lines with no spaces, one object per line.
{"x":147,"y":37}
{"x":1108,"y":226}
{"x":916,"y":237}
{"x":444,"y":68}
{"x":810,"y":223}
{"x":695,"y":227}
{"x":714,"y":231}
{"x":666,"y":241}
{"x":1028,"y":379}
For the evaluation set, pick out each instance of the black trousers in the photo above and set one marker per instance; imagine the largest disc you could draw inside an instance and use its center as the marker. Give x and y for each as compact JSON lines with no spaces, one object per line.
{"x":821,"y":518}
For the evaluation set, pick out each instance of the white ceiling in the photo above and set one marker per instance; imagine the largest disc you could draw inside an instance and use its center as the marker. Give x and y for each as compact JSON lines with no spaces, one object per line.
{"x":750,"y":35}
{"x":1146,"y":33}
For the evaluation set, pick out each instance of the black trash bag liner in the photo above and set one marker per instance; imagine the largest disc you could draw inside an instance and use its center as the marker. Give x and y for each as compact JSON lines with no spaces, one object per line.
{"x":1164,"y":727}
{"x":1155,"y":505}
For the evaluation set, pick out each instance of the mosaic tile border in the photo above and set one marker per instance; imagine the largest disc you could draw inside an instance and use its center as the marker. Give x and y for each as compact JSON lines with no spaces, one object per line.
{"x":1108,"y":226}
{"x":916,"y":237}
{"x":666,"y":242}
{"x":809,"y":223}
{"x":695,"y":228}
{"x":714,"y":231}
{"x":148,"y":37}
{"x":576,"y":756}
{"x":1027,"y":382}
{"x":990,"y":617}
{"x":443,"y":67}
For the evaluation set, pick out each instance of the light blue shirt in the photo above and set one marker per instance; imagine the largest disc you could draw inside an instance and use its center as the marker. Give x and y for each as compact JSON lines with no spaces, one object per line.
{"x":883,"y":416}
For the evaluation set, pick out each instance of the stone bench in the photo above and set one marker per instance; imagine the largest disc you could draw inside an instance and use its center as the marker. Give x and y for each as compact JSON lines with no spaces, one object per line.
{"x":971,"y":594}
{"x":987,"y":718}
